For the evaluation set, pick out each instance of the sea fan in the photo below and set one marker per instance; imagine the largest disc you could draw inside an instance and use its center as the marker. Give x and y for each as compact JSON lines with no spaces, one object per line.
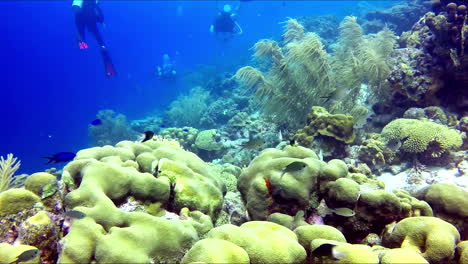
{"x":7,"y":168}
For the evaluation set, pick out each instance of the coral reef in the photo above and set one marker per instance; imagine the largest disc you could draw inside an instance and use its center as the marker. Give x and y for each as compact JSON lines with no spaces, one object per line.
{"x":187,"y":110}
{"x":441,"y":66}
{"x":114,"y":128}
{"x":398,"y":17}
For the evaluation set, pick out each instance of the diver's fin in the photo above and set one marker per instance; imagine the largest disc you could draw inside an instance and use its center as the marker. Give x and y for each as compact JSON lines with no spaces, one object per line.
{"x":83,"y":45}
{"x":108,"y":65}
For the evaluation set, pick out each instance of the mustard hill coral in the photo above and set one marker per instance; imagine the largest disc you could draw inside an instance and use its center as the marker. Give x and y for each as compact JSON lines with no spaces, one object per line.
{"x":320,"y":122}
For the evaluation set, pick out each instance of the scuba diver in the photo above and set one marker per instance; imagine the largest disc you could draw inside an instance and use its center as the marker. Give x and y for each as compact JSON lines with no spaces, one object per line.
{"x":225,"y":25}
{"x":167,"y":69}
{"x":87,"y":15}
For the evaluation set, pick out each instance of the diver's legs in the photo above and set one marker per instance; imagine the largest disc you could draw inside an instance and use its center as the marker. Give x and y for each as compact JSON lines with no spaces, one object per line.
{"x":92,"y":27}
{"x":80,"y":27}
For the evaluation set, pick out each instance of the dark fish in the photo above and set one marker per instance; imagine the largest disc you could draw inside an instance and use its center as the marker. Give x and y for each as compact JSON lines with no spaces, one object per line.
{"x":393,"y":144}
{"x":26,"y":256}
{"x":162,"y":126}
{"x":61,"y":157}
{"x":96,"y":122}
{"x":324,"y":250}
{"x":292,"y":142}
{"x":253,"y":144}
{"x":148,"y":135}
{"x":75,"y":214}
{"x":185,"y":130}
{"x":293,"y":167}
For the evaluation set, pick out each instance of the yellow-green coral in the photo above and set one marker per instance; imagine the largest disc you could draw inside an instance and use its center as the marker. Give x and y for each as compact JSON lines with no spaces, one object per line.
{"x":152,"y":172}
{"x":348,"y":253}
{"x":402,"y":256}
{"x":307,"y":233}
{"x":411,"y":206}
{"x":319,"y":121}
{"x":10,"y":253}
{"x":43,"y":184}
{"x":434,"y":238}
{"x":264,"y":242}
{"x":14,"y":201}
{"x":342,"y":193}
{"x":265,"y":175}
{"x":420,"y":135}
{"x":205,"y":140}
{"x":450,"y":203}
{"x":185,"y":135}
{"x":216,"y":251}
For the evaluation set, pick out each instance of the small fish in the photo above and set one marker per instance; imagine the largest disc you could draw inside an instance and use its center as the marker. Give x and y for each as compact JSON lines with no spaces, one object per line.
{"x":253,"y":144}
{"x":393,"y":144}
{"x":327,"y":250}
{"x":185,"y":130}
{"x":75,"y":214}
{"x":162,"y":126}
{"x":292,"y":142}
{"x":148,"y":135}
{"x":293,"y":167}
{"x":280,"y":136}
{"x":336,"y":95}
{"x":61,"y":157}
{"x":96,"y":122}
{"x":26,"y":256}
{"x":346,"y":212}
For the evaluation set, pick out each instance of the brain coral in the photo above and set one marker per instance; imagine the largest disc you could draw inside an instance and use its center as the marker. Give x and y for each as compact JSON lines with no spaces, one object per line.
{"x":419,"y":136}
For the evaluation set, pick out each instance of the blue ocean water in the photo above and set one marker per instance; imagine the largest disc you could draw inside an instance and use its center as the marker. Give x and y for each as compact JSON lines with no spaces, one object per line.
{"x":51,"y":90}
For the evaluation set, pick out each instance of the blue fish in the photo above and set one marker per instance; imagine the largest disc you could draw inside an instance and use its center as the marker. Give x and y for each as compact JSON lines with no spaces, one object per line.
{"x":61,"y":157}
{"x":162,"y":126}
{"x":96,"y":122}
{"x":185,"y":130}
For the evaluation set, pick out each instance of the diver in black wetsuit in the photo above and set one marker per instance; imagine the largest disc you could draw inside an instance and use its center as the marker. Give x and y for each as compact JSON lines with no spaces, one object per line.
{"x":225,"y":26}
{"x":87,"y":15}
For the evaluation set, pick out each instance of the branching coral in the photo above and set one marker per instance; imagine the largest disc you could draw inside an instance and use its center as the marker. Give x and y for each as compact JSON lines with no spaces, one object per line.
{"x":7,"y":168}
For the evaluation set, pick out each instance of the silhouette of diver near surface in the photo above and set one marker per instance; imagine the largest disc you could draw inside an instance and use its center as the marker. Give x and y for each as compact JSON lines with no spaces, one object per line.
{"x":225,"y":26}
{"x":87,"y":15}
